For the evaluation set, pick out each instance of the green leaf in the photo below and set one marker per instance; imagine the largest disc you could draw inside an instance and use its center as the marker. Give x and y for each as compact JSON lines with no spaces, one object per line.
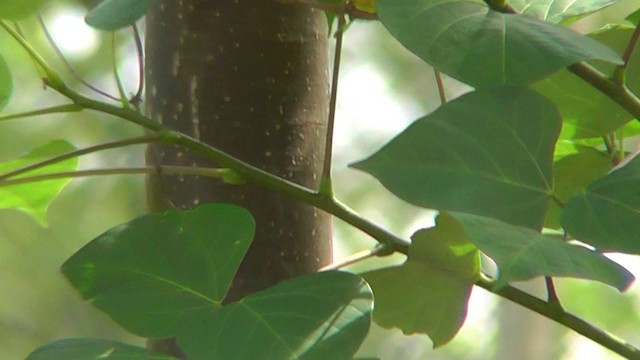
{"x":573,"y":173}
{"x":114,"y":14}
{"x":88,"y":349}
{"x":319,"y":316}
{"x":19,"y":9}
{"x":589,"y":112}
{"x":522,"y":254}
{"x":154,"y":271}
{"x":489,"y":152}
{"x":430,"y":291}
{"x":634,"y":17}
{"x":481,"y":47}
{"x":35,"y":198}
{"x":606,"y":214}
{"x":556,"y":11}
{"x":6,"y":83}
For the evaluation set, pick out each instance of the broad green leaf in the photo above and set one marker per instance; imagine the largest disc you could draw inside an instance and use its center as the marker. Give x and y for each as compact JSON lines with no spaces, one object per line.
{"x":522,"y":254}
{"x":488,"y":152}
{"x":430,"y":291}
{"x":114,"y":14}
{"x":35,"y":198}
{"x":556,"y":11}
{"x":19,"y":9}
{"x":319,"y":316}
{"x":573,"y":173}
{"x":154,"y":271}
{"x":606,"y":214}
{"x":6,"y":83}
{"x":91,"y":349}
{"x":481,"y":47}
{"x":589,"y":112}
{"x":634,"y":17}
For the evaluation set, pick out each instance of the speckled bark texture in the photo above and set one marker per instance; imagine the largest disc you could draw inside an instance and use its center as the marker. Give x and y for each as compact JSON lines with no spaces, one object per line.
{"x":249,"y":77}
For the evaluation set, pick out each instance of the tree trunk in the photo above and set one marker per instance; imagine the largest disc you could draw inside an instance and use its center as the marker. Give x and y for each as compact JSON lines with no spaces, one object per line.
{"x":248,"y":77}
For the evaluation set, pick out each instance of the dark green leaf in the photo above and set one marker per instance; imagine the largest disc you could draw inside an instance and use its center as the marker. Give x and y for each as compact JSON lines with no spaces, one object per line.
{"x":489,"y":152}
{"x":556,"y":11}
{"x":19,"y":9}
{"x":522,"y":254}
{"x":573,"y":173}
{"x":90,"y":349}
{"x":154,"y":271}
{"x":480,"y":47}
{"x":428,"y":293}
{"x":6,"y":83}
{"x":35,"y":198}
{"x":319,"y":316}
{"x":634,"y":17}
{"x":607,"y":213}
{"x":114,"y":14}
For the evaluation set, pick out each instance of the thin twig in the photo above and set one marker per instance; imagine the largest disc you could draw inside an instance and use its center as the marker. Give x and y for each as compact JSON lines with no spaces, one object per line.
{"x":67,"y":64}
{"x":377,"y":251}
{"x":114,"y":60}
{"x":137,"y":98}
{"x":325,"y":182}
{"x":66,"y":108}
{"x":76,"y":153}
{"x":552,"y":295}
{"x":440,"y":84}
{"x":620,"y":72}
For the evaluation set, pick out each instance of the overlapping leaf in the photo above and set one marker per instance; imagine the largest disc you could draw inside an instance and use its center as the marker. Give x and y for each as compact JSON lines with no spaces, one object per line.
{"x":154,"y":271}
{"x":19,"y":9}
{"x":573,"y":173}
{"x":35,"y":198}
{"x":587,"y":110}
{"x":114,"y":14}
{"x":607,"y":213}
{"x":489,"y":152}
{"x":319,"y":316}
{"x":522,"y":254}
{"x":6,"y":83}
{"x":556,"y":11}
{"x":85,"y":349}
{"x":430,"y":291}
{"x":481,"y":47}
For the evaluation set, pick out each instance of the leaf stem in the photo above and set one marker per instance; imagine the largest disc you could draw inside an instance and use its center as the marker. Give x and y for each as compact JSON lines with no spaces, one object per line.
{"x":66,"y":108}
{"x":137,"y":98}
{"x":440,"y":84}
{"x":80,"y":152}
{"x":325,"y":181}
{"x":620,"y":72}
{"x":552,"y":295}
{"x":379,"y":250}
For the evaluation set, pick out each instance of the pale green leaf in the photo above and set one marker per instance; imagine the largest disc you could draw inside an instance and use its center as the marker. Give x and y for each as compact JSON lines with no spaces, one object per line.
{"x":114,"y":14}
{"x":556,"y":11}
{"x":19,"y":9}
{"x":91,"y":349}
{"x":6,"y":83}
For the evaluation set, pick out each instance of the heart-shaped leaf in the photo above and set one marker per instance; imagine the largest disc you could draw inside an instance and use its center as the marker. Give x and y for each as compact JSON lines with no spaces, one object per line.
{"x":606,"y":214}
{"x":114,"y":14}
{"x":35,"y":198}
{"x":19,"y":9}
{"x":85,"y":349}
{"x":489,"y":152}
{"x":522,"y":253}
{"x":481,"y":47}
{"x":319,"y":316}
{"x":430,"y":291}
{"x":156,"y":270}
{"x":556,"y":11}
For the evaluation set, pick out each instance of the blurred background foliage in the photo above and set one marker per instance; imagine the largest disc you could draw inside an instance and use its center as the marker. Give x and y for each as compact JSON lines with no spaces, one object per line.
{"x":382,"y":89}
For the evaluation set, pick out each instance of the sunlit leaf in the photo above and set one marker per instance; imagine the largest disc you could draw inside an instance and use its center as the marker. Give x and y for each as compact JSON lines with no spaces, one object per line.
{"x":154,"y":271}
{"x":556,"y":11}
{"x":607,"y":213}
{"x":319,"y":316}
{"x":34,"y":198}
{"x":489,"y":152}
{"x":573,"y":173}
{"x":481,"y":47}
{"x":634,"y":17}
{"x":19,"y":9}
{"x":430,"y":291}
{"x":114,"y":14}
{"x":6,"y":83}
{"x":90,"y":349}
{"x":522,"y":254}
